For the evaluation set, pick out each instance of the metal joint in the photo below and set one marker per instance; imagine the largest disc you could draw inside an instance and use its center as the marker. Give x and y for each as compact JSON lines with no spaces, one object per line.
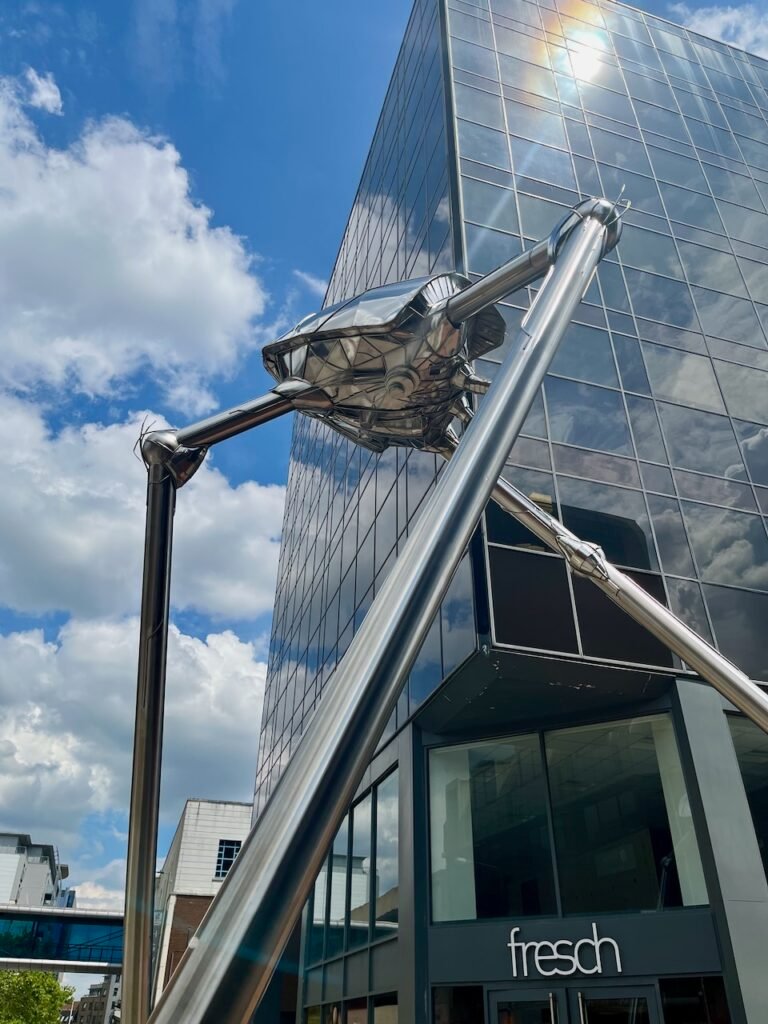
{"x":584,"y":558}
{"x":303,"y":395}
{"x":162,"y":448}
{"x":602,"y":210}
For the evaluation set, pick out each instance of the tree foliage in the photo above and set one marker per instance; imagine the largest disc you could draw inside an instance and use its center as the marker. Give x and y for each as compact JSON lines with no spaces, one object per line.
{"x":31,"y":997}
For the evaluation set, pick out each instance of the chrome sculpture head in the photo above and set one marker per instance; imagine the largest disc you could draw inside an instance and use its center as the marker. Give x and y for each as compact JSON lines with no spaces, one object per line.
{"x":391,"y":364}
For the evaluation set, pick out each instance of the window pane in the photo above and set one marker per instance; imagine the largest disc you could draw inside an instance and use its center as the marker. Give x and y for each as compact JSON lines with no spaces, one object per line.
{"x":488,"y":204}
{"x":730,"y":547}
{"x":738,"y":619}
{"x":659,"y":298}
{"x":360,"y":883}
{"x":587,"y":416}
{"x":385,"y":1009}
{"x":682,"y":377}
{"x":462,"y":1004}
{"x":483,"y":144}
{"x":488,"y":824}
{"x":538,"y":615}
{"x":701,"y":441}
{"x":690,"y":1000}
{"x":670,"y":536}
{"x":585,"y":353}
{"x":728,"y":317}
{"x":745,"y":389}
{"x":613,"y":517}
{"x":536,"y":124}
{"x":356,"y":1011}
{"x":648,"y":250}
{"x":334,"y":939}
{"x":754,"y":447}
{"x":488,"y":249}
{"x":386,"y":880}
{"x":317,"y":923}
{"x":623,"y":827}
{"x":476,"y":105}
{"x":645,"y":427}
{"x":751,"y":745}
{"x":542,"y":163}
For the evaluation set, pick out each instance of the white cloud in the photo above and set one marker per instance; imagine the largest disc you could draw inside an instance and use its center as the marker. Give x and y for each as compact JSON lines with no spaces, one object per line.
{"x":67,"y":724}
{"x":108,"y":265}
{"x":173,"y":40}
{"x":43,"y":92}
{"x":316,"y":285}
{"x":157,"y":44}
{"x":742,"y":25}
{"x":210,"y":19}
{"x":72,"y":525}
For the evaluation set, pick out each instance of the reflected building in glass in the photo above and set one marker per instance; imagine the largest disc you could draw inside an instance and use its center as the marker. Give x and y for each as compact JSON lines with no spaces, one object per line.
{"x":552,"y":776}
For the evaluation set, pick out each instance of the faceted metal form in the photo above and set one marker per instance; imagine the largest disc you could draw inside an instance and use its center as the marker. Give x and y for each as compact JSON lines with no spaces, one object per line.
{"x":391,"y":362}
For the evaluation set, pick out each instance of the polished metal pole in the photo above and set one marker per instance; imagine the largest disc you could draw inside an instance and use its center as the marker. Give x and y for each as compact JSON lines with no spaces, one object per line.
{"x":223,"y":425}
{"x":588,"y":560}
{"x":227,"y":967}
{"x":172,"y":457}
{"x":147,"y":746}
{"x":519,"y":272}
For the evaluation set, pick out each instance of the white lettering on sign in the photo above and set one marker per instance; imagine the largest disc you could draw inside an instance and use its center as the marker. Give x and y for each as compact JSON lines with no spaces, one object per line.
{"x":563,"y":957}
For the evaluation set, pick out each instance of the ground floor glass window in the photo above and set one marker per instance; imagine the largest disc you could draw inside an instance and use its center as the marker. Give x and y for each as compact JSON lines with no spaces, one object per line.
{"x":751,"y":745}
{"x":601,"y":809}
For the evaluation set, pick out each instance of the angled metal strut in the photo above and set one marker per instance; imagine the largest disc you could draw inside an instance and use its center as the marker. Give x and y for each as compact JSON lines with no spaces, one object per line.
{"x":381,"y":374}
{"x":441,"y":325}
{"x":588,"y":560}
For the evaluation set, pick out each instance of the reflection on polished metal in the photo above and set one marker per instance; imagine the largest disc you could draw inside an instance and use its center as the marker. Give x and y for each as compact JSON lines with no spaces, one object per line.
{"x":171,"y":457}
{"x":394,"y":361}
{"x":224,"y":973}
{"x":588,"y":560}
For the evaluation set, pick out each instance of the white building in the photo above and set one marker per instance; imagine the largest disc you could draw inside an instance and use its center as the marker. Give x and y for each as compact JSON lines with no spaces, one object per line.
{"x":207,"y":840}
{"x":30,"y":873}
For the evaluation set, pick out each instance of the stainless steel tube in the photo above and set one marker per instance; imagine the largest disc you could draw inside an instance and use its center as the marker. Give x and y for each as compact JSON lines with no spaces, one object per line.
{"x":589,"y":561}
{"x":224,"y":425}
{"x":171,"y":458}
{"x":523,"y":270}
{"x":224,"y":973}
{"x":147,"y":746}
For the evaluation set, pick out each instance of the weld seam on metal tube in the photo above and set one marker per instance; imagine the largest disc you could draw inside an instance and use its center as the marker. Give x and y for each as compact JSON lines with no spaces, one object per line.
{"x":224,"y":973}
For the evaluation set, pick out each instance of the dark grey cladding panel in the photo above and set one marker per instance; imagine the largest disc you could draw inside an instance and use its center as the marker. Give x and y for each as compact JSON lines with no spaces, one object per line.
{"x":385,"y":967}
{"x":334,"y":976}
{"x":356,"y":974}
{"x":666,"y":943}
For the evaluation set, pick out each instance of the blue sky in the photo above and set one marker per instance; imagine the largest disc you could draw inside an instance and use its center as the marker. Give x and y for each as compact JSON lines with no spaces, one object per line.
{"x":174,"y":181}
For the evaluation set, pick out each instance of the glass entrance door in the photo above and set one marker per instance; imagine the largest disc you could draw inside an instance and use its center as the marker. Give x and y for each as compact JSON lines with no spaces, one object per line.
{"x":530,"y":1007}
{"x":588,"y":1005}
{"x":635,"y":1005}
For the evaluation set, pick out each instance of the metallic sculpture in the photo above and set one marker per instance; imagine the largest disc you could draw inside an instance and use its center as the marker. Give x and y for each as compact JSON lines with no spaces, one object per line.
{"x":389,"y":367}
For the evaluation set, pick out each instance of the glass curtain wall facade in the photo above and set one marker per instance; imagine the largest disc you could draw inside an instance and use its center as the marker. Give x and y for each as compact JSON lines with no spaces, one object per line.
{"x":650,"y":435}
{"x":348,"y":511}
{"x":553,"y":779}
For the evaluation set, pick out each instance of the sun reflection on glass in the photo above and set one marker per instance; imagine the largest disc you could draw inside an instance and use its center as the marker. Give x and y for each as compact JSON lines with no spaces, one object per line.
{"x":585,"y":62}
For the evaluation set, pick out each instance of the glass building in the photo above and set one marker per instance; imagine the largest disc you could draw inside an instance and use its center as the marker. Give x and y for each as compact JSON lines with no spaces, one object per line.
{"x":562,"y":825}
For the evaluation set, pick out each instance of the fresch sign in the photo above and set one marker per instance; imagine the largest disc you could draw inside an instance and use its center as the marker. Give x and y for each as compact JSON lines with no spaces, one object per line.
{"x":563,"y":958}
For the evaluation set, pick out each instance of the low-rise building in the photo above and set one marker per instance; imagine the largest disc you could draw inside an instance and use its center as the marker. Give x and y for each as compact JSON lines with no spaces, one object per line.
{"x":207,"y":841}
{"x":102,"y":1004}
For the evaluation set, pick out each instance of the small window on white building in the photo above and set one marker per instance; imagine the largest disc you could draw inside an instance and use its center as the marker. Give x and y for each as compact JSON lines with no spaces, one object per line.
{"x":228,"y":850}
